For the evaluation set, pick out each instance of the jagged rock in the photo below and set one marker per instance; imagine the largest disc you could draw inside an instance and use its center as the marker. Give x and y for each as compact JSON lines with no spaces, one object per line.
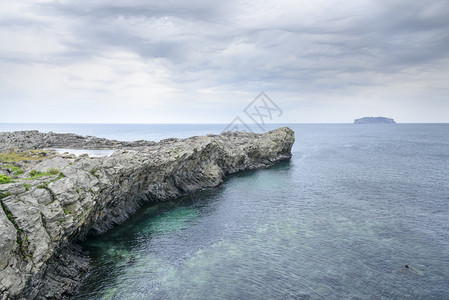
{"x":41,"y":218}
{"x":33,"y":139}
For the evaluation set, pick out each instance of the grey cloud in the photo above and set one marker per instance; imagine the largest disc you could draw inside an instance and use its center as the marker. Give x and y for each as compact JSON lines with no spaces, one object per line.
{"x":196,"y":9}
{"x":393,"y":37}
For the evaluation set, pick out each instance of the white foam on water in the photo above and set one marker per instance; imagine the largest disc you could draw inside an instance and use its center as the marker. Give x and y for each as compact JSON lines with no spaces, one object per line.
{"x":78,"y":152}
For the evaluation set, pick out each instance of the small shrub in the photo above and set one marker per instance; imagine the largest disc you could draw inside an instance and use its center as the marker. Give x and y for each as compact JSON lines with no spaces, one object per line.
{"x":43,"y":185}
{"x":34,"y":173}
{"x":15,"y":169}
{"x":4,"y":195}
{"x":52,"y":171}
{"x":4,"y":179}
{"x":26,"y":186}
{"x":93,"y":172}
{"x":57,"y":178}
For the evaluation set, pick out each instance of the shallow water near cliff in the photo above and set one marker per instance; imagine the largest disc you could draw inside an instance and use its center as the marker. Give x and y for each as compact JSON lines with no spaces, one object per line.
{"x":340,"y":220}
{"x":78,"y":152}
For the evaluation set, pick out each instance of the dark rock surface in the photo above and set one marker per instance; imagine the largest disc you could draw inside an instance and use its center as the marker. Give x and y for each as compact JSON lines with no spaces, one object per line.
{"x":42,"y":216}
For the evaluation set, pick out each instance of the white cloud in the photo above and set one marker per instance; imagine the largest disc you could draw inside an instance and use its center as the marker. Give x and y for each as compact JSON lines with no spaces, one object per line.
{"x":203,"y":61}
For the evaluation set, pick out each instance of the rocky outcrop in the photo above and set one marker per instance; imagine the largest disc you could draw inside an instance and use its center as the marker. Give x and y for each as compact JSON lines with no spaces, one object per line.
{"x":33,"y":139}
{"x":56,"y":200}
{"x":374,"y":120}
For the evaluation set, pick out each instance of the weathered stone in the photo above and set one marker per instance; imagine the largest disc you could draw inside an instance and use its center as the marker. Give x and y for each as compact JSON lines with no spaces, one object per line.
{"x":57,"y":163}
{"x":49,"y":213}
{"x":33,"y":139}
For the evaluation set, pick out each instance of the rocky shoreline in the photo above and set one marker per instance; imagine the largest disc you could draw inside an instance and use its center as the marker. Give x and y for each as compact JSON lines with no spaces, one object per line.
{"x":50,"y":201}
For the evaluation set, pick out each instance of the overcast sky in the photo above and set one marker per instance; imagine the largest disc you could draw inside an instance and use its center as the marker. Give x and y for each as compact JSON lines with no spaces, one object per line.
{"x":202,"y":61}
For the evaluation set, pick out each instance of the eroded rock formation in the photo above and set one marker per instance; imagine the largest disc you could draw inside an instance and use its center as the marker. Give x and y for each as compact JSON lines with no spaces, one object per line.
{"x":57,"y":200}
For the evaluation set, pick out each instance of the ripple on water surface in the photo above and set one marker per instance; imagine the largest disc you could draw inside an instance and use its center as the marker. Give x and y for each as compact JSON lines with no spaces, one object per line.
{"x":339,"y":221}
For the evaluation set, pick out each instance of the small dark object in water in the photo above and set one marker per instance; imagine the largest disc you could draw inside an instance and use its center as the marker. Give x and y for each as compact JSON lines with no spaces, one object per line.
{"x":131,"y":260}
{"x":407,"y":266}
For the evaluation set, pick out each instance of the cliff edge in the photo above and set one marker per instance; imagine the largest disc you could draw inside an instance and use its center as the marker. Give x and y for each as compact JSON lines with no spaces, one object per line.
{"x":50,"y":201}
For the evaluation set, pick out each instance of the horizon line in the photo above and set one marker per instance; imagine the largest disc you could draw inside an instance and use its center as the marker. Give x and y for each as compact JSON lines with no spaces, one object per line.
{"x":122,"y":123}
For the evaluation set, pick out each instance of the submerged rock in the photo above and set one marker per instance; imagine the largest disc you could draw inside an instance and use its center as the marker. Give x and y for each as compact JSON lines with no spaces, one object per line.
{"x":56,"y":200}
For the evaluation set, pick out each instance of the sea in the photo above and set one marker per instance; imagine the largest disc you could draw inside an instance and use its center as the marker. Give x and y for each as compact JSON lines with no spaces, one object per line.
{"x":359,"y":212}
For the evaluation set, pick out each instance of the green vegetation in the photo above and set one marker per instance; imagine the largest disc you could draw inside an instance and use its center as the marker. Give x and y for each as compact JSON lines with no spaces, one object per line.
{"x":44,"y":186}
{"x":35,"y":173}
{"x":26,"y":186}
{"x":19,"y":237}
{"x":50,"y":172}
{"x":12,"y":167}
{"x":4,"y":179}
{"x":94,"y":172}
{"x":16,"y":169}
{"x":8,"y":214}
{"x":53,"y":171}
{"x":13,"y":221}
{"x":66,"y":211}
{"x":175,"y":151}
{"x":57,"y":178}
{"x":4,"y":195}
{"x":15,"y":156}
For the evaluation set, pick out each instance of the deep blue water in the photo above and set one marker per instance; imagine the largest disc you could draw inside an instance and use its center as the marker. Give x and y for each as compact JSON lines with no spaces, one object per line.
{"x":339,"y":221}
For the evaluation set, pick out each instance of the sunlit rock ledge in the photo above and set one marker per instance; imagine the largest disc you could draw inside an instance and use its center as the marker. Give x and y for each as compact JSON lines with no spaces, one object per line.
{"x":49,"y":200}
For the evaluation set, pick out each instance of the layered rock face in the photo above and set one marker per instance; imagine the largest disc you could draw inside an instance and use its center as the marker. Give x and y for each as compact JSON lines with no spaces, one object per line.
{"x":58,"y":200}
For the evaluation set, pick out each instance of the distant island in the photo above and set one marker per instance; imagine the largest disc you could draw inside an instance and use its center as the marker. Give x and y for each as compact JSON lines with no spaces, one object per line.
{"x":374,"y":120}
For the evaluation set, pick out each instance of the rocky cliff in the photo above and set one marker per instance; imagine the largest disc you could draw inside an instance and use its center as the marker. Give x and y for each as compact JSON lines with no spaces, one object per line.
{"x":55,"y":200}
{"x":33,"y":139}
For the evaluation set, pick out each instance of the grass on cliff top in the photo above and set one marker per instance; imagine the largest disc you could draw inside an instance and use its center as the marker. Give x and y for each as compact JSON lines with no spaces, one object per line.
{"x":50,"y":172}
{"x":16,"y":156}
{"x":15,"y":169}
{"x":4,"y":179}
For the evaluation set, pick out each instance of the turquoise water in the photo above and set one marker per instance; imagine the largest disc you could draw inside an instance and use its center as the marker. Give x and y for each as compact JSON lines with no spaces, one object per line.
{"x":339,"y":221}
